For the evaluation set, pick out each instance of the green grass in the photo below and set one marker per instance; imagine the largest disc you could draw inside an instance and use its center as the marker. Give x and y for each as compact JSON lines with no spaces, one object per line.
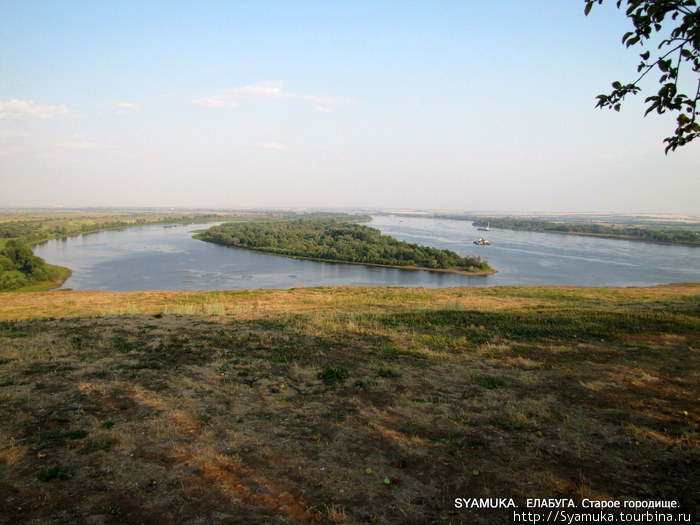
{"x":388,"y":372}
{"x":489,"y":381}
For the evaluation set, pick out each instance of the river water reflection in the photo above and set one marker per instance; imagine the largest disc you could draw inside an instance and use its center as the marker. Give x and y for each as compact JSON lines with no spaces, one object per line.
{"x":167,"y":258}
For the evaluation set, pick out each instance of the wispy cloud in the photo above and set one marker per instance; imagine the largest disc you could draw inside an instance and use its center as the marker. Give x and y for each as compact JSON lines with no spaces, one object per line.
{"x":270,"y":90}
{"x":16,"y":109}
{"x":234,"y":97}
{"x":271,"y":145}
{"x":123,"y":106}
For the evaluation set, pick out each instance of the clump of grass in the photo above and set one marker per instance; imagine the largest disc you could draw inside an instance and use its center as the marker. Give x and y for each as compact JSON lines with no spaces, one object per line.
{"x":387,"y":372}
{"x":124,"y":346}
{"x":53,"y":471}
{"x":364,"y":384}
{"x":57,"y":437}
{"x":115,"y":510}
{"x":333,"y":376}
{"x":489,"y":381}
{"x":196,"y":309}
{"x":332,"y":513}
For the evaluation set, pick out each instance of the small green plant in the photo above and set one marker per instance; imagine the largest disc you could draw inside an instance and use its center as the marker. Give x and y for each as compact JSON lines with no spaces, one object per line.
{"x":57,"y":437}
{"x":53,"y":471}
{"x":333,"y":376}
{"x":489,"y":381}
{"x":364,"y":384}
{"x":123,"y":346}
{"x":389,"y":373}
{"x":115,"y":510}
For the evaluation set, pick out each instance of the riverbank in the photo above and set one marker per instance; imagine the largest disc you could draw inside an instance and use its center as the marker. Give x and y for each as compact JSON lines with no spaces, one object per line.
{"x":61,"y":276}
{"x":345,"y":405}
{"x":456,"y":271}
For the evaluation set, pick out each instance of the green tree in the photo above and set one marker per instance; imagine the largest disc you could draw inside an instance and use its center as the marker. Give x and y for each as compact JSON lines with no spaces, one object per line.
{"x":677,"y":24}
{"x":21,"y":258}
{"x":18,"y":252}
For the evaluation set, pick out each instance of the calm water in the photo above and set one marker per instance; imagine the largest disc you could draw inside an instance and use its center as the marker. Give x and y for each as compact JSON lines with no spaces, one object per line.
{"x":167,"y":258}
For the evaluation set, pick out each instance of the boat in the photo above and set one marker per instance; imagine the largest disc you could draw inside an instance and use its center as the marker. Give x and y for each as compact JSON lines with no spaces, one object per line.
{"x":487,"y":229}
{"x":482,"y":242}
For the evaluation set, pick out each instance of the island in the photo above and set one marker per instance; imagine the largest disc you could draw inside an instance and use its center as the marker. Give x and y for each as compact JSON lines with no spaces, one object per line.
{"x":339,"y":241}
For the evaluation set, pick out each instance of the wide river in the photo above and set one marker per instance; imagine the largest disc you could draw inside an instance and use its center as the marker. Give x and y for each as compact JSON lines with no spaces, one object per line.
{"x":167,"y":258}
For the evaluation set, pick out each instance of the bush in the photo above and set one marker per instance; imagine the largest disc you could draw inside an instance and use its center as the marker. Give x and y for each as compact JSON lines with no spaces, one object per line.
{"x":332,"y":376}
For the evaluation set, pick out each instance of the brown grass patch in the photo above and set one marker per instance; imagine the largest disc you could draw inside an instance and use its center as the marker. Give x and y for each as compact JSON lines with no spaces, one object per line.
{"x":275,"y":409}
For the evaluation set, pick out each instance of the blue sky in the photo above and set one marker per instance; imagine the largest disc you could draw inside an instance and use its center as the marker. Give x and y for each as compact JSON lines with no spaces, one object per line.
{"x":450,"y":105}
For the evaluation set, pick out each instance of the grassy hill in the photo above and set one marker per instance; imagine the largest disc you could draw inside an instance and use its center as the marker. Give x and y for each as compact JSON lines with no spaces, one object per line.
{"x":344,"y":405}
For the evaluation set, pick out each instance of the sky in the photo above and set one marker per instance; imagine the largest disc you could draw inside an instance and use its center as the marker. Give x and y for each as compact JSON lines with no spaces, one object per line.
{"x":442,"y":105}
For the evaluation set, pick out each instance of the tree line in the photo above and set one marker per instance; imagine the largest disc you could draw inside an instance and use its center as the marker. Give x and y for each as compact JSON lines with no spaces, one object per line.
{"x":676,"y":236}
{"x":19,"y":267}
{"x":38,"y":230}
{"x":332,"y":240}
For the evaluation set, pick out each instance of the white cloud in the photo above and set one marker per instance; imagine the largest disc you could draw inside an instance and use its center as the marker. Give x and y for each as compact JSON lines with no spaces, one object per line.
{"x":271,"y":145}
{"x":16,"y":109}
{"x":265,"y":89}
{"x":233,"y":97}
{"x":272,"y":90}
{"x":125,"y":106}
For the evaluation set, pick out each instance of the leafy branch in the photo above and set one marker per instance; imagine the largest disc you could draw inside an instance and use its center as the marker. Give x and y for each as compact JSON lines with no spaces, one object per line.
{"x":680,"y":51}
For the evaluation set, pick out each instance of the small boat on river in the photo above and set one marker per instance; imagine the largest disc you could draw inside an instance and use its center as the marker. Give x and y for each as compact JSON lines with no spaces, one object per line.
{"x":487,"y":229}
{"x":482,"y":242}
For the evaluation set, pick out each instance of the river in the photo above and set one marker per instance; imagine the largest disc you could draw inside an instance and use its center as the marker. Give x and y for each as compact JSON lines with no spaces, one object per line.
{"x":167,"y":258}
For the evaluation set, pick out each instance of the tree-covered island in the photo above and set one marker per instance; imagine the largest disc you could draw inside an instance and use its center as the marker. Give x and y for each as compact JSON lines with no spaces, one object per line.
{"x":335,"y":241}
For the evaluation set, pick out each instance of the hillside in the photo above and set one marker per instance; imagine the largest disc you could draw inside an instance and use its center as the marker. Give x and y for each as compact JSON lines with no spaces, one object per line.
{"x":344,"y":405}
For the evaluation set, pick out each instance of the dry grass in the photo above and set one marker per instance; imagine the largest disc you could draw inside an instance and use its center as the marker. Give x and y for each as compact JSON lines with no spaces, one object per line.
{"x":270,"y":406}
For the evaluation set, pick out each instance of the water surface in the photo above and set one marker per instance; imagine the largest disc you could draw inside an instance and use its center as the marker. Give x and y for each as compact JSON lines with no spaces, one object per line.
{"x":167,"y":258}
{"x":534,"y":258}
